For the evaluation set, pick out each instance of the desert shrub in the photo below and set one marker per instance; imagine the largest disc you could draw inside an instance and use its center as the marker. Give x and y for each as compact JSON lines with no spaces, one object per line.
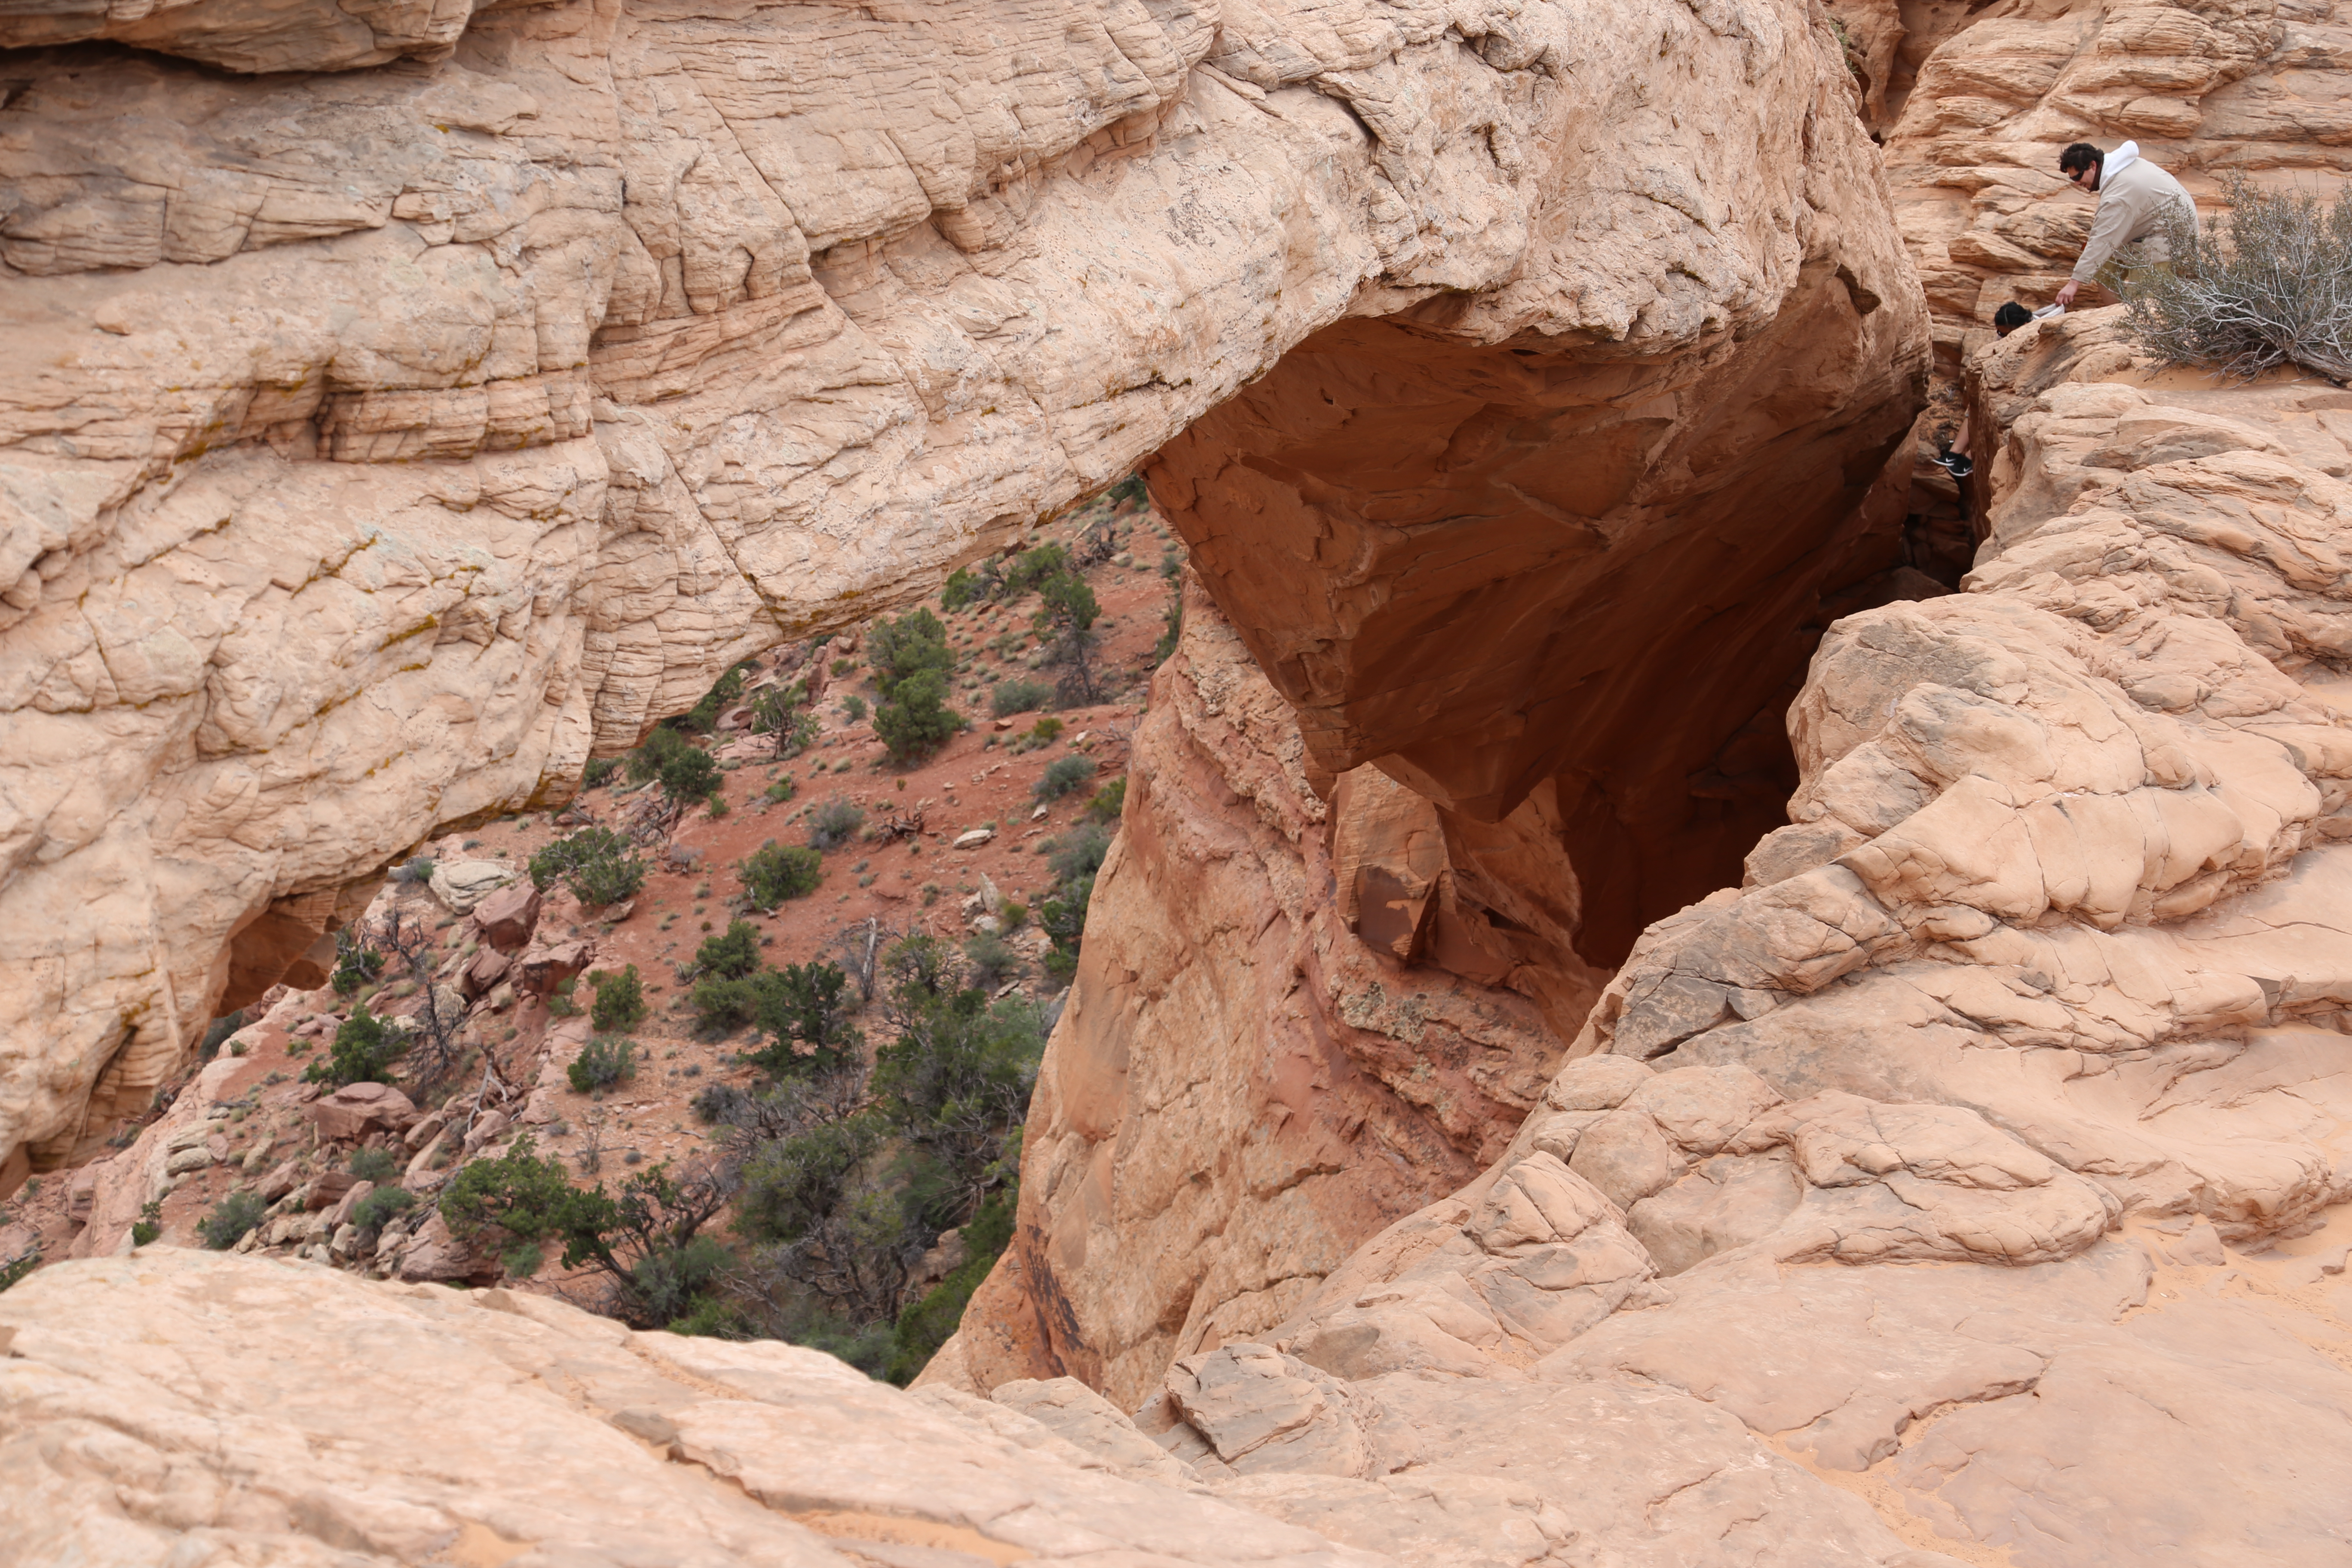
{"x":620,"y":1002}
{"x":732,"y":954}
{"x":703,"y":717}
{"x":1109,"y":803}
{"x":961,"y":588}
{"x":598,"y":865}
{"x":356,"y":962}
{"x":1032,"y":567}
{"x":774,"y":873}
{"x":1130,"y":489}
{"x":645,"y":762}
{"x":381,"y":1207}
{"x":992,"y":959}
{"x":1063,"y":775}
{"x":723,"y":1004}
{"x":690,"y":774}
{"x":603,"y":1062}
{"x":230,"y":1219}
{"x":804,"y":1009}
{"x":1012,"y":697}
{"x":20,"y":1267}
{"x":419,"y":869}
{"x":2272,"y":286}
{"x":150,"y":1223}
{"x":1013,"y":913}
{"x":217,"y":1032}
{"x":1172,"y":626}
{"x":720,"y":1104}
{"x":924,"y":1326}
{"x":522,"y":1260}
{"x":520,"y":1192}
{"x":853,"y":708}
{"x":917,"y":720}
{"x":782,"y":790}
{"x":375,"y":1164}
{"x":914,"y":644}
{"x":783,"y":711}
{"x":599,"y":772}
{"x":834,"y":824}
{"x":1079,"y":853}
{"x":363,"y":1050}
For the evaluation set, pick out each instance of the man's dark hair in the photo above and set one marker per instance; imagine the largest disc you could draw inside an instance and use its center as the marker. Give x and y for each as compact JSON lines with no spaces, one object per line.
{"x":2011,"y":317}
{"x":2082,"y":155}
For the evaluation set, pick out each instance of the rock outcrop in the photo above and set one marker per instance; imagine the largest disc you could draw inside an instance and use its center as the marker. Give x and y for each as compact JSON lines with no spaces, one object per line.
{"x":380,"y":445}
{"x":178,"y":1407}
{"x":1247,"y":1082}
{"x":1984,"y":1154}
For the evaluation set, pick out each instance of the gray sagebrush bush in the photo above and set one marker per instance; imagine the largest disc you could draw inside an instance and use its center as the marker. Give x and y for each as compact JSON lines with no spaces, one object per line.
{"x":2271,"y":285}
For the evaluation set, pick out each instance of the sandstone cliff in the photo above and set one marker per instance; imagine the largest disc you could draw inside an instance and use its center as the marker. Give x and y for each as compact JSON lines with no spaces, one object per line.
{"x":383,"y":443}
{"x":1984,"y":1153}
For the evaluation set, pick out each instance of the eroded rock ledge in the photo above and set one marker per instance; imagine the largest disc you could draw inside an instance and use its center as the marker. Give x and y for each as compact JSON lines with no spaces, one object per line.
{"x":380,"y":445}
{"x":1985,"y":1154}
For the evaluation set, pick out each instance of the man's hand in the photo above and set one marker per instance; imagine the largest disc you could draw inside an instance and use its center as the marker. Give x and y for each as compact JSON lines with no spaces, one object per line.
{"x":2066,"y":295}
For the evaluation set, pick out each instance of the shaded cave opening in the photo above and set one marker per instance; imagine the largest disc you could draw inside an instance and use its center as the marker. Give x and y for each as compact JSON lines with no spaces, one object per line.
{"x":1561,"y":578}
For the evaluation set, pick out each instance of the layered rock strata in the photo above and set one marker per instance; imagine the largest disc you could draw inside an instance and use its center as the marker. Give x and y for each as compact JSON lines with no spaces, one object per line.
{"x":380,"y":445}
{"x":1983,"y":1158}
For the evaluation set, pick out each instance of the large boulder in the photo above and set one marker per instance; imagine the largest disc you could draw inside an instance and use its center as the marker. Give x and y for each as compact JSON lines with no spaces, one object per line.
{"x":541,"y":969}
{"x":506,"y":918}
{"x":357,"y":1110}
{"x":461,"y":885}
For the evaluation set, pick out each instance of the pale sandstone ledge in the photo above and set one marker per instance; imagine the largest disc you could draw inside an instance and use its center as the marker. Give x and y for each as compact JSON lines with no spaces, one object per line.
{"x":1986,"y":1154}
{"x":377,"y":446}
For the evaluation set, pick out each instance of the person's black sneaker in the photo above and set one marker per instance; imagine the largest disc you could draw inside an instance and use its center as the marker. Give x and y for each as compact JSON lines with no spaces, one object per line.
{"x":1959,"y":466}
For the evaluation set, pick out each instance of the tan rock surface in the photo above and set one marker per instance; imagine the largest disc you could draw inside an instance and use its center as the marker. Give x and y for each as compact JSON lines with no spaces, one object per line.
{"x":2054,"y":1021}
{"x":380,"y":445}
{"x":180,"y":1408}
{"x":1241,"y":1088}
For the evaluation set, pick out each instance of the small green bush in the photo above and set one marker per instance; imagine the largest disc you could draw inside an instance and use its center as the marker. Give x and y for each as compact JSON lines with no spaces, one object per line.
{"x":960,"y":589}
{"x":1032,"y":567}
{"x":230,"y":1219}
{"x":646,"y":763}
{"x":731,"y":954}
{"x":1109,"y":803}
{"x":917,"y":720}
{"x":1064,"y":775}
{"x":375,"y":1164}
{"x":381,"y":1207}
{"x":620,"y":1002}
{"x":602,"y":1063}
{"x":419,"y":869}
{"x":688,"y":775}
{"x":520,"y":1192}
{"x":599,"y":772}
{"x":914,"y":644}
{"x":598,"y":865}
{"x":782,"y":790}
{"x":703,"y":717}
{"x":774,"y":873}
{"x":150,"y":1223}
{"x":834,"y":824}
{"x":1012,"y":697}
{"x":853,"y":708}
{"x":364,"y":1049}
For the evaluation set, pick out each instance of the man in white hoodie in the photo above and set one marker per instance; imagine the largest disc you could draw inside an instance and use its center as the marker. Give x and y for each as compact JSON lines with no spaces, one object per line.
{"x":2135,"y":195}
